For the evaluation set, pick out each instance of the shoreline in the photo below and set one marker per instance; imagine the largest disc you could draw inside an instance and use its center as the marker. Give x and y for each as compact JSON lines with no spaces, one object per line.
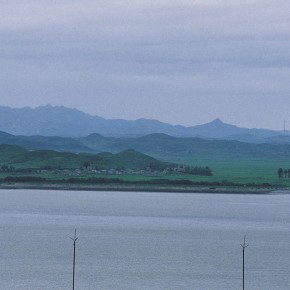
{"x":143,"y":188}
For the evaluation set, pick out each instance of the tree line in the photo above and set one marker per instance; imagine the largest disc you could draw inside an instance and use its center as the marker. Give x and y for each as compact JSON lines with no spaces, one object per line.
{"x":283,"y":173}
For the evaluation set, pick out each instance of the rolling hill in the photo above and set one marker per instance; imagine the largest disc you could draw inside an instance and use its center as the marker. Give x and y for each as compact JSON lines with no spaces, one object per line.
{"x":158,"y":145}
{"x":12,"y":155}
{"x":166,"y":146}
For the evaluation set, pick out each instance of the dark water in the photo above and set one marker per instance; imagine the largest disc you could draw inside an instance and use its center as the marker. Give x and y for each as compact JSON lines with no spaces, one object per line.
{"x":143,"y":240}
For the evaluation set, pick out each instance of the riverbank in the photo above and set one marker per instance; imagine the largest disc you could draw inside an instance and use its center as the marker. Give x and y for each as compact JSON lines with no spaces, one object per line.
{"x":139,"y":188}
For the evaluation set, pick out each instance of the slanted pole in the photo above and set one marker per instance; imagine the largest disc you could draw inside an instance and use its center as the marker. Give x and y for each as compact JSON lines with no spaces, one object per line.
{"x":74,"y":239}
{"x":244,"y":246}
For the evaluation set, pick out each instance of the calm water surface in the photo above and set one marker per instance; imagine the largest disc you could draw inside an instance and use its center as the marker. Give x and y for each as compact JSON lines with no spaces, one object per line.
{"x":143,"y":240}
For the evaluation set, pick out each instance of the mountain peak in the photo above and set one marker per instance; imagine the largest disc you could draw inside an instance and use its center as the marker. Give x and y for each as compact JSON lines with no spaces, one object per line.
{"x":217,"y":121}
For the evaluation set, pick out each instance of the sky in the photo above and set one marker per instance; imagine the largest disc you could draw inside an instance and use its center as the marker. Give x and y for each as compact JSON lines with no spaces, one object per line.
{"x":181,"y":62}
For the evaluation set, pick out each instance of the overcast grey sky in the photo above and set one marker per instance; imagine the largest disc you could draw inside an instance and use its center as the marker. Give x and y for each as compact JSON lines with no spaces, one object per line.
{"x":182,"y":62}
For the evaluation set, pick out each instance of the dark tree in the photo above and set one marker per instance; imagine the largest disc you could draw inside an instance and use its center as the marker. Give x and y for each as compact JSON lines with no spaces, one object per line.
{"x":280,"y":172}
{"x":86,"y":164}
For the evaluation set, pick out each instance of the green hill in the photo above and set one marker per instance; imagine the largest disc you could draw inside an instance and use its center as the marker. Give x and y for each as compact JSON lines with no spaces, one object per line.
{"x":157,"y":145}
{"x":18,"y":157}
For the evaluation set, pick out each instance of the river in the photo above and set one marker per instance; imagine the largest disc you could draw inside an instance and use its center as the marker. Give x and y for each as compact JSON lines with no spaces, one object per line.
{"x":131,"y":240}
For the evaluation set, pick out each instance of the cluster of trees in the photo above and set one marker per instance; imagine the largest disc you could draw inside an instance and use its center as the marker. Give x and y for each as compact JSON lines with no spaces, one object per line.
{"x":283,"y":173}
{"x":204,"y":171}
{"x":105,"y":180}
{"x":24,"y":179}
{"x":98,"y":180}
{"x":156,"y":166}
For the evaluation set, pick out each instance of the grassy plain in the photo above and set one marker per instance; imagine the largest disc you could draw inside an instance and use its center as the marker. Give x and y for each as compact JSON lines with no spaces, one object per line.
{"x":239,"y":170}
{"x":232,"y":168}
{"x":235,"y":171}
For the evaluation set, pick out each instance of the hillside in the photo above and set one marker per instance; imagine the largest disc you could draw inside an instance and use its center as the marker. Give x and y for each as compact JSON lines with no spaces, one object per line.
{"x":18,"y":157}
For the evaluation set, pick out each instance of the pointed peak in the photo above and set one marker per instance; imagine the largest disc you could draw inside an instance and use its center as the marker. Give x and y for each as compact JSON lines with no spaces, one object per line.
{"x":217,"y":121}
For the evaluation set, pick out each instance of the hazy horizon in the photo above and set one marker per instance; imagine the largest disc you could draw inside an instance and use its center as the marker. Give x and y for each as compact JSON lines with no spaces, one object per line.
{"x":141,"y":118}
{"x":181,"y":62}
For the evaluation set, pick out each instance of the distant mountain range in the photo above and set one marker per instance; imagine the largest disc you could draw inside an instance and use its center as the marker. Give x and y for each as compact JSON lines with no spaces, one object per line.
{"x":157,"y":145}
{"x":61,"y":121}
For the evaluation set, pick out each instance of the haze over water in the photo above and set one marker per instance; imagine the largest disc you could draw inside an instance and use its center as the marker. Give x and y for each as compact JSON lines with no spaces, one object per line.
{"x":143,"y":240}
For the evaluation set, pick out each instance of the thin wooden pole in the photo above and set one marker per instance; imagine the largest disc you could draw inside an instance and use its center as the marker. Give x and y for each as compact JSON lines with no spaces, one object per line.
{"x":244,"y":246}
{"x":74,"y":239}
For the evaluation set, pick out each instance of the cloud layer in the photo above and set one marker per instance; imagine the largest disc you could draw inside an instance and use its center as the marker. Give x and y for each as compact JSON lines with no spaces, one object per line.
{"x":178,"y":61}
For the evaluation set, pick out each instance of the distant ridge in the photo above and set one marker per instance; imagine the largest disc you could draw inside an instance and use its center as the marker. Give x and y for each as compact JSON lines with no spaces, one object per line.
{"x":45,"y":142}
{"x":157,"y":144}
{"x":164,"y":145}
{"x":61,"y":121}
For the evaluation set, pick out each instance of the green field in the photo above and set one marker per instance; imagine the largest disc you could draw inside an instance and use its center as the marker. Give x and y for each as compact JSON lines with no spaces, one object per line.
{"x":226,"y":167}
{"x":246,"y":170}
{"x":240,"y":172}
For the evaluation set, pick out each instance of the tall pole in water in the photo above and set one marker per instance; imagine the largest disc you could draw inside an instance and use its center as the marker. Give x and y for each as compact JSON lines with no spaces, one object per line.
{"x":74,"y":239}
{"x":244,"y":246}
